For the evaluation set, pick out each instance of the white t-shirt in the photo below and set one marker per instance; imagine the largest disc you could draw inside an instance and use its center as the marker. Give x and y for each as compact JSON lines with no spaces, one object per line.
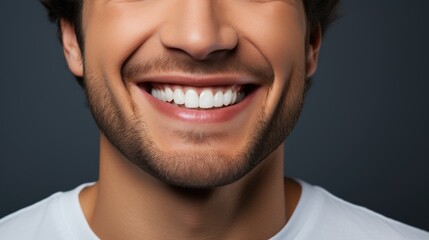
{"x":319,"y":215}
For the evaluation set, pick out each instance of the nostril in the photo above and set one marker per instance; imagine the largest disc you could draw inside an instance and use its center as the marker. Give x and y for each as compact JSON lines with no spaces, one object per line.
{"x":200,"y":37}
{"x":221,"y":54}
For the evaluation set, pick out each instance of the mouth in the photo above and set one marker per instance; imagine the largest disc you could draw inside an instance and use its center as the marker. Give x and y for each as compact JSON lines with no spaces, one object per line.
{"x":199,"y":99}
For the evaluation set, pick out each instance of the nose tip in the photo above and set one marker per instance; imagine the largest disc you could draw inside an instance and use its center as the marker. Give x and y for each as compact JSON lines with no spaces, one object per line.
{"x":199,"y":31}
{"x":202,"y":45}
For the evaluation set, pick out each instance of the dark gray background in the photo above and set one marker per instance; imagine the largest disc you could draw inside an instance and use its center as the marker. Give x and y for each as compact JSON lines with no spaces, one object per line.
{"x":363,"y":134}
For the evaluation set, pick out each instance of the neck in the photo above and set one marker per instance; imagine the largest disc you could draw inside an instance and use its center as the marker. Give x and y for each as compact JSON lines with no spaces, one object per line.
{"x":128,"y":203}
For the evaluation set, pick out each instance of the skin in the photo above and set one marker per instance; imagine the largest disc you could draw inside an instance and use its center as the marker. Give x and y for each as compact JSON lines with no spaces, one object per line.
{"x":199,"y":183}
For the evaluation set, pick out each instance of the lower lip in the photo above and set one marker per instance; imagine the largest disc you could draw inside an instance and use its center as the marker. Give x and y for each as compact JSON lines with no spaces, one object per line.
{"x":215,"y":115}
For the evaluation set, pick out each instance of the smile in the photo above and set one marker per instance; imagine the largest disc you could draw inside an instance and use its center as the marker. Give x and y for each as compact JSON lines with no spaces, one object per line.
{"x":201,"y":97}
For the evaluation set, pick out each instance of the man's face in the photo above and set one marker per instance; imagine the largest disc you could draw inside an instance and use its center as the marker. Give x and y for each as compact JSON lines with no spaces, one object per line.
{"x":195,"y":92}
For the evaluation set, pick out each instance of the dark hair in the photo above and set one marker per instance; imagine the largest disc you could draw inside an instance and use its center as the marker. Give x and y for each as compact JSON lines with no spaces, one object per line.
{"x":71,"y":11}
{"x":319,"y":13}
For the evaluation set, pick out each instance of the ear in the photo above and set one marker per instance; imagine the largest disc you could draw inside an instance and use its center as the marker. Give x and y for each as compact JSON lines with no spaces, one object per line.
{"x":313,"y":46}
{"x":71,"y":48}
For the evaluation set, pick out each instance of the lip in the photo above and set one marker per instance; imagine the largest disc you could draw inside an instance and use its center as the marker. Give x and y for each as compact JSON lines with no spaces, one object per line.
{"x":200,"y":80}
{"x":196,"y":115}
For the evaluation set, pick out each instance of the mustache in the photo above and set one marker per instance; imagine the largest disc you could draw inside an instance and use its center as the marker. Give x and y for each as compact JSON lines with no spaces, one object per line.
{"x":134,"y":69}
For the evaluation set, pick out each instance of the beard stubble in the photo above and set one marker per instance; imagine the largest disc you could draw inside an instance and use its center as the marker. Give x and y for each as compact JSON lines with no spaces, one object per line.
{"x":200,"y":169}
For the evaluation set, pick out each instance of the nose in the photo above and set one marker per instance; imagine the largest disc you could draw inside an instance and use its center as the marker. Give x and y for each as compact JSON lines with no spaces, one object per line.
{"x":198,"y":28}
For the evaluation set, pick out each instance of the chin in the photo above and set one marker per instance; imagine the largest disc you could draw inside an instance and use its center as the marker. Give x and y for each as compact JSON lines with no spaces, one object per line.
{"x":202,"y":170}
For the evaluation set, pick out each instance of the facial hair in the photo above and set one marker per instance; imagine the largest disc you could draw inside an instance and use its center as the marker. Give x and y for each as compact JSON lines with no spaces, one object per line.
{"x":197,"y":169}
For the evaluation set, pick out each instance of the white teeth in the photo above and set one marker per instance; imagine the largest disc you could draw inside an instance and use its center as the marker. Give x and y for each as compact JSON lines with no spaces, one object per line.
{"x":169,"y":95}
{"x":158,"y":94}
{"x":154,"y":93}
{"x":163,"y":97}
{"x":227,"y":97}
{"x":234,"y":97}
{"x":206,"y":99}
{"x":179,"y":97}
{"x":218,"y":99}
{"x":190,"y":99}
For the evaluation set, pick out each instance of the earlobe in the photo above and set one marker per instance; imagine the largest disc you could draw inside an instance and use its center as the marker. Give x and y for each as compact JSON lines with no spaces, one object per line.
{"x":71,"y":48}
{"x":313,"y":48}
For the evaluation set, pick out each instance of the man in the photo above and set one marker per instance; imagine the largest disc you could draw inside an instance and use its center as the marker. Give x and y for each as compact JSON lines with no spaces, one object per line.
{"x":194,"y":99}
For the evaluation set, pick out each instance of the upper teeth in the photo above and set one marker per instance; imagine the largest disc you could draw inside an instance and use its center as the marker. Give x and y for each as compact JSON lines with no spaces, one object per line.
{"x":189,"y":97}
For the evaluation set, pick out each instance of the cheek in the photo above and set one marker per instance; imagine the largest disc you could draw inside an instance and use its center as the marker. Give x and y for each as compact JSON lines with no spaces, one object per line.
{"x":114,"y":31}
{"x":277,"y":31}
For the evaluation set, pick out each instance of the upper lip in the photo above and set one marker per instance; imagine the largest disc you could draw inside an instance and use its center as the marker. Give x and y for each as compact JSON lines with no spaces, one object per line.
{"x":200,"y":80}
